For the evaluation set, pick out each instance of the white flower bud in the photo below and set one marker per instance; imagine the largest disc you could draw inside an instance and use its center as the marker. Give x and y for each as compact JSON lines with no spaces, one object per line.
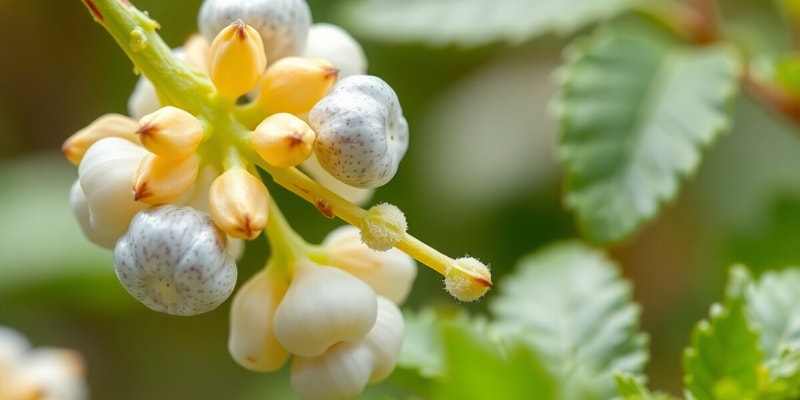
{"x":175,"y":260}
{"x":80,"y":208}
{"x":361,"y":132}
{"x":347,"y":367}
{"x":323,"y":306}
{"x":105,"y":174}
{"x":332,"y":43}
{"x":282,"y":24}
{"x":252,"y":342}
{"x":390,"y":273}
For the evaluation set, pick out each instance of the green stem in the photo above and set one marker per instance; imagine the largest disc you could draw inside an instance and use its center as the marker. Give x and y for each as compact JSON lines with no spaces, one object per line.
{"x":286,"y":245}
{"x":135,"y":33}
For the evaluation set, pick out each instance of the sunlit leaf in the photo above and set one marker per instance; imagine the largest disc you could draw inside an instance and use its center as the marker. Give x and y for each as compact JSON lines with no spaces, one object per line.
{"x":474,"y":22}
{"x":575,"y":310}
{"x":773,"y":309}
{"x":630,"y":387}
{"x":636,"y":108}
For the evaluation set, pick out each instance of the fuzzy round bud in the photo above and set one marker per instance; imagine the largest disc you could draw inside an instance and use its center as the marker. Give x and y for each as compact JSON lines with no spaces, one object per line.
{"x":295,"y":84}
{"x":282,"y":24}
{"x":390,"y":273}
{"x":237,"y":59}
{"x":105,"y":175}
{"x":383,"y":226}
{"x":361,"y":132}
{"x":332,"y":43}
{"x":467,"y":279}
{"x":239,"y":203}
{"x":160,"y":180}
{"x":252,"y":342}
{"x":283,"y":140}
{"x":170,"y":132}
{"x":323,"y":306}
{"x":174,"y":260}
{"x":108,"y":125}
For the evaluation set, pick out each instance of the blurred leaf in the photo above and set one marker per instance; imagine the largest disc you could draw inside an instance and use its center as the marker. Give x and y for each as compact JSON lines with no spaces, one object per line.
{"x":630,"y":387}
{"x":784,"y":376}
{"x":40,"y":240}
{"x":636,"y":108}
{"x":478,"y":368}
{"x":474,"y":22}
{"x":724,"y":357}
{"x":773,"y":243}
{"x":423,"y":349}
{"x":575,"y":310}
{"x":773,"y":309}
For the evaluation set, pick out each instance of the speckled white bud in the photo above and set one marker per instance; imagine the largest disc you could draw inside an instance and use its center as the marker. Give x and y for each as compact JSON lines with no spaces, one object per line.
{"x":390,"y":273}
{"x":361,"y":132}
{"x":347,"y":367}
{"x":105,"y":175}
{"x":174,"y":260}
{"x":357,"y":196}
{"x":323,"y":306}
{"x":282,"y":24}
{"x":332,"y":43}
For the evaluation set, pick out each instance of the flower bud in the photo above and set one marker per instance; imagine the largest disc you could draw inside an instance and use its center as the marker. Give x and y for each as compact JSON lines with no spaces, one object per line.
{"x":390,"y":273}
{"x":105,"y":175}
{"x":467,"y":279}
{"x":295,"y":84}
{"x":346,"y":368}
{"x":237,"y":59}
{"x":80,"y":207}
{"x":383,"y":226}
{"x":332,"y":43}
{"x":252,"y":342}
{"x":357,"y":196}
{"x":239,"y":203}
{"x":283,"y":140}
{"x":361,"y":132}
{"x":174,"y":260}
{"x":196,"y":52}
{"x":323,"y":306}
{"x":282,"y":24}
{"x":108,"y":125}
{"x":160,"y":180}
{"x":170,"y":132}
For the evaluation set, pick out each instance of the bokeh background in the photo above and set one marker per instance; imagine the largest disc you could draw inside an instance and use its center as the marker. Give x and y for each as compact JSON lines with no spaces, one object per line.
{"x":480,"y":178}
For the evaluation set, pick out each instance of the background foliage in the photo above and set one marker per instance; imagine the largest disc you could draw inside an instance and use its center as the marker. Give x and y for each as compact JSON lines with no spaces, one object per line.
{"x":477,"y":80}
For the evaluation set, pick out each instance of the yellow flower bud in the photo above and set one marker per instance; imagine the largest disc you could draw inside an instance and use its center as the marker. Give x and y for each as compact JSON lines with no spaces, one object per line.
{"x":161,"y":180}
{"x":109,"y":125}
{"x":283,"y":140}
{"x":467,"y":279}
{"x":237,"y":59}
{"x":295,"y":84}
{"x":383,"y":226}
{"x":239,"y":203}
{"x":170,"y":132}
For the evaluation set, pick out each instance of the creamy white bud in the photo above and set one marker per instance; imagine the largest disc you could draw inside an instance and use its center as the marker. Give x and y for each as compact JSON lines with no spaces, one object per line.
{"x":282,"y":24}
{"x":332,"y":43}
{"x":323,"y":306}
{"x":80,"y":208}
{"x":385,"y":339}
{"x":252,"y":342}
{"x":390,"y":273}
{"x":105,"y":175}
{"x":361,"y":132}
{"x":174,"y":260}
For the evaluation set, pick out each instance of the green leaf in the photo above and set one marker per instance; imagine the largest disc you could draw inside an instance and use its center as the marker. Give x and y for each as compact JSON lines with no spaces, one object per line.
{"x":724,"y":358}
{"x":773,"y":309}
{"x":636,"y":107}
{"x":474,"y":22}
{"x":630,"y":387}
{"x":423,"y":349}
{"x":784,"y":376}
{"x":575,"y":310}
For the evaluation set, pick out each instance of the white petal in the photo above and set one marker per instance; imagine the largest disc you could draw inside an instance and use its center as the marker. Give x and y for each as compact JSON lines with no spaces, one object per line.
{"x":341,"y":373}
{"x":80,"y":207}
{"x":385,"y":339}
{"x":332,"y":43}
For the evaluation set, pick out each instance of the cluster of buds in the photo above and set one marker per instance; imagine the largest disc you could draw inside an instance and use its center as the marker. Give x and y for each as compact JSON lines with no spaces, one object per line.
{"x":176,"y":188}
{"x":41,"y":373}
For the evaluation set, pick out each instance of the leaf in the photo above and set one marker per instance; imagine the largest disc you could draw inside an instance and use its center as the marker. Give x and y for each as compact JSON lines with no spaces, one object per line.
{"x":773,"y":309}
{"x":630,"y":387}
{"x":474,"y":22}
{"x":724,"y":358}
{"x":635,"y":109}
{"x":576,"y":313}
{"x":423,"y":349}
{"x":784,"y":376}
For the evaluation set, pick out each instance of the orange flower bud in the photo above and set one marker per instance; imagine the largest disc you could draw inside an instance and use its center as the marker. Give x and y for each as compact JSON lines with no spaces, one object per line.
{"x":295,"y":84}
{"x":237,"y":59}
{"x":109,"y":125}
{"x":239,"y":203}
{"x":161,"y":180}
{"x":283,"y":140}
{"x":170,"y":132}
